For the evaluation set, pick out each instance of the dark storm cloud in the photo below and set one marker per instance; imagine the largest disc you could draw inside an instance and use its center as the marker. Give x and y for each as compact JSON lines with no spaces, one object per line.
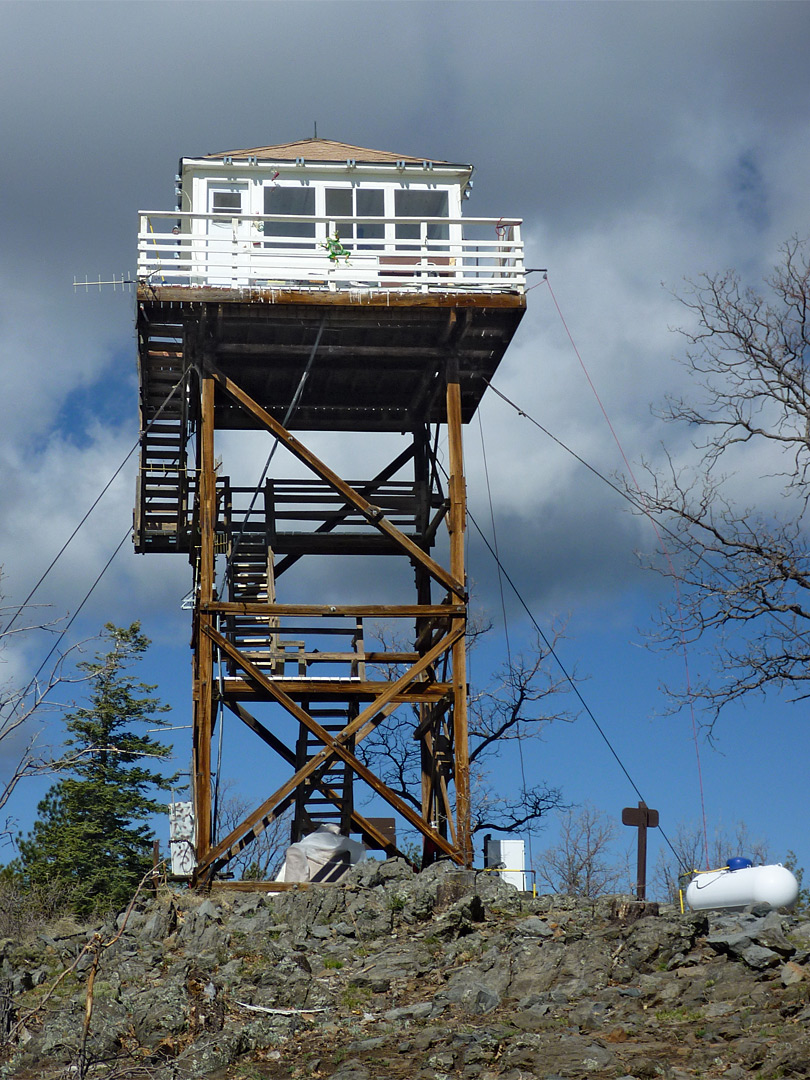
{"x":567,"y":555}
{"x":640,"y":142}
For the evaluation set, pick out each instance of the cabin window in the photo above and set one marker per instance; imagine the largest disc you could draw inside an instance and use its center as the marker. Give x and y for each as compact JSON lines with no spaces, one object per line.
{"x":339,"y":208}
{"x":370,"y":203}
{"x":296,"y":201}
{"x":421,"y":204}
{"x":226,"y":202}
{"x":340,"y":204}
{"x":345,"y":204}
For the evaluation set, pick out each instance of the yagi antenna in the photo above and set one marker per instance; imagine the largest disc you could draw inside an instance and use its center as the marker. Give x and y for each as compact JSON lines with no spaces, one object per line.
{"x":125,"y":282}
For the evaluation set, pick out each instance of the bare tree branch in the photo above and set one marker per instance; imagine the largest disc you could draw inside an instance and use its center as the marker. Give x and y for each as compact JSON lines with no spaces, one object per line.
{"x":579,"y":863}
{"x":520,"y":701}
{"x":260,"y":859}
{"x":742,"y":572}
{"x":20,"y":705}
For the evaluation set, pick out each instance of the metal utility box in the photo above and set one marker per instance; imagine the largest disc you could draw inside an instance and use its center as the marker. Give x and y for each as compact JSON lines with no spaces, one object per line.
{"x":510,"y":855}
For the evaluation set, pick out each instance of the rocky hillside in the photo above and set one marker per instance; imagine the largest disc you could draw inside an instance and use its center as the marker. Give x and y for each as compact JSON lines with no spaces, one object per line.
{"x":442,"y":975}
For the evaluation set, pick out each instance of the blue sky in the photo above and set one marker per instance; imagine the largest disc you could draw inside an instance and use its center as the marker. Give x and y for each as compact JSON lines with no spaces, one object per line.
{"x":641,"y":144}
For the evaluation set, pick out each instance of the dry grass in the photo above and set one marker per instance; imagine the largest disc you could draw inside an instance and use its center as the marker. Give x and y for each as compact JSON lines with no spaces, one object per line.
{"x":25,"y":911}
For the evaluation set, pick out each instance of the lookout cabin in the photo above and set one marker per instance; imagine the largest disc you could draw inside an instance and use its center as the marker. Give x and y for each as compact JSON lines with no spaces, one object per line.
{"x":323,"y":215}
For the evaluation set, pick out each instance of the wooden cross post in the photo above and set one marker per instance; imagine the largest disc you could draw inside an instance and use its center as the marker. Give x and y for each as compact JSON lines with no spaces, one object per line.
{"x":643,"y":818}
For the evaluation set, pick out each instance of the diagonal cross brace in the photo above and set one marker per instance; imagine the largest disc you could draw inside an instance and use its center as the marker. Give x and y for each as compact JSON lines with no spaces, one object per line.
{"x":332,"y":746}
{"x":367,"y":509}
{"x":335,"y":519}
{"x":285,"y":752}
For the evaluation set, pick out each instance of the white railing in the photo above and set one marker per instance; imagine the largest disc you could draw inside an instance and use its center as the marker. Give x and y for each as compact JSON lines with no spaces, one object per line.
{"x":439,"y":254}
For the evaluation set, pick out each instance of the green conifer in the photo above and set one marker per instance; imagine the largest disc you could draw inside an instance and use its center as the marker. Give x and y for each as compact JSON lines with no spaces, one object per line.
{"x":92,"y":833}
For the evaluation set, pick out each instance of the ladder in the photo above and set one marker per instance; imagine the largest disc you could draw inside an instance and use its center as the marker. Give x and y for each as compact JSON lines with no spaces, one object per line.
{"x":312,"y":808}
{"x":162,"y":521}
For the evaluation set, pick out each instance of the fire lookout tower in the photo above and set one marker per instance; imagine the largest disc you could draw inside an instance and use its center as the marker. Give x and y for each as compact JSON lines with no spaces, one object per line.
{"x":335,"y":298}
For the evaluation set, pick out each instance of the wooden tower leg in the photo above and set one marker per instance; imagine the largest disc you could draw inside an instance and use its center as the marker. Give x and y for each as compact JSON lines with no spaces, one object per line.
{"x":432,"y":812}
{"x":204,"y":652}
{"x":456,"y":525}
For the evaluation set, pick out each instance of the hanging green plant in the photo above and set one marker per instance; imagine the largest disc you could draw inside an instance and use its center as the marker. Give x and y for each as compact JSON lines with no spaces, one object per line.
{"x":335,"y":250}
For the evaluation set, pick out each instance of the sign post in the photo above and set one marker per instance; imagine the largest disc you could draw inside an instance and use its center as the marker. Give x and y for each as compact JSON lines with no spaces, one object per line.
{"x":642,"y":818}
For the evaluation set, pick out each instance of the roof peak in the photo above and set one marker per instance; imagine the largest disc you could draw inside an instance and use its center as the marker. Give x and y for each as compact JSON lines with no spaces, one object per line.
{"x":315,"y":149}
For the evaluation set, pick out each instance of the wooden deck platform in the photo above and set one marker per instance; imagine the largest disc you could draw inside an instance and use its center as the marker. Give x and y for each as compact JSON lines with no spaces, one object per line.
{"x":378,"y":356}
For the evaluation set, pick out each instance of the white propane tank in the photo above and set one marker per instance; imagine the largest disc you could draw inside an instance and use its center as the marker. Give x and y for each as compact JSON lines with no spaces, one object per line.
{"x":727,"y":888}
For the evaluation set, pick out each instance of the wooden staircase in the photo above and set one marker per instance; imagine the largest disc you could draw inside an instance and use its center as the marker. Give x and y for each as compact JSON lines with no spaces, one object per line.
{"x":290,"y":655}
{"x":312,"y":808}
{"x":162,"y":518}
{"x":249,"y":580}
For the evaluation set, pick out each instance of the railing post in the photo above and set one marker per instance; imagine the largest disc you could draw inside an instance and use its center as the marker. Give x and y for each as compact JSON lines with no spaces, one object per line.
{"x":424,"y":254}
{"x":520,"y":273}
{"x":234,"y":252}
{"x":141,"y":268}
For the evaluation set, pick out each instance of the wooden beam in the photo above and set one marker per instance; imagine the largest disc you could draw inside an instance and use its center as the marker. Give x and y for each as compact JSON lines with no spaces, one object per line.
{"x":203,"y":666}
{"x":377,"y":611}
{"x":370,"y":512}
{"x":329,"y":689}
{"x":195,"y":296}
{"x":456,"y":524}
{"x":339,"y":352}
{"x":321,"y":656}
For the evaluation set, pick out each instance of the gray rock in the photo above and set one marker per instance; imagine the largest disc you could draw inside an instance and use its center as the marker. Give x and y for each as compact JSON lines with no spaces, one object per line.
{"x":350,"y":1070}
{"x":759,"y":958}
{"x":160,"y":923}
{"x":418,"y":1011}
{"x":792,"y":973}
{"x":800,"y":933}
{"x":771,"y":937}
{"x":478,"y":988}
{"x":511,"y":986}
{"x":532,"y":1019}
{"x":247,"y":903}
{"x":535,"y":927}
{"x":733,"y":941}
{"x":345,"y":929}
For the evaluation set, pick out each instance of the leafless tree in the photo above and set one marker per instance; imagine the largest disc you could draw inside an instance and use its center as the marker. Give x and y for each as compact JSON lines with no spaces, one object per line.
{"x":260,"y":860}
{"x":579,"y":864}
{"x":671,"y":872}
{"x":523,"y":697}
{"x":22,"y":705}
{"x":742,"y":566}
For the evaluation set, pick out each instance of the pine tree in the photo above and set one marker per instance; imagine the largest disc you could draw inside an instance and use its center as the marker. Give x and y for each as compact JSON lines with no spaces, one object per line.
{"x":92,"y":834}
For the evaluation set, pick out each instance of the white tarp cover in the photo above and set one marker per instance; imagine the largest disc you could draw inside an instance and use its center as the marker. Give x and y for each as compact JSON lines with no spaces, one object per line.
{"x":323,"y":855}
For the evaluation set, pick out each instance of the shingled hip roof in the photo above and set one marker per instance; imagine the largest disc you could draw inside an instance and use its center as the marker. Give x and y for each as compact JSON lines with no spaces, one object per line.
{"x":322,"y":150}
